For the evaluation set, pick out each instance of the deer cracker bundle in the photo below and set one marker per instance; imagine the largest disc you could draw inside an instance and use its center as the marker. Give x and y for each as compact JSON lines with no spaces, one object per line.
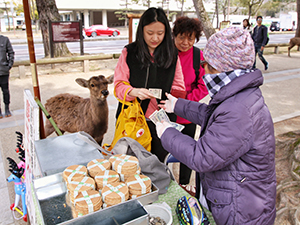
{"x":106,"y":177}
{"x":87,"y":202}
{"x":138,"y":185}
{"x":124,"y":165}
{"x":97,"y":165}
{"x":73,"y":172}
{"x":115,"y":193}
{"x":80,"y":184}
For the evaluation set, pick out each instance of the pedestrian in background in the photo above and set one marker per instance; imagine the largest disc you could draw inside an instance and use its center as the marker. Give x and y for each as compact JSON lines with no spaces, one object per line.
{"x":247,"y":25}
{"x":260,"y":38}
{"x":7,"y":56}
{"x":150,"y":62}
{"x":234,"y":156}
{"x":185,"y":31}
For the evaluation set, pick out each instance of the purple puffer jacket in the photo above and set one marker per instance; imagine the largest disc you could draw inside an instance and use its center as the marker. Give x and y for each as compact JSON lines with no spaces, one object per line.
{"x":235,"y":154}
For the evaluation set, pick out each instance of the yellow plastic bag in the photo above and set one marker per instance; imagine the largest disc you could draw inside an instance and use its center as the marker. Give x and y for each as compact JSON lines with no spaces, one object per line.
{"x":132,"y":123}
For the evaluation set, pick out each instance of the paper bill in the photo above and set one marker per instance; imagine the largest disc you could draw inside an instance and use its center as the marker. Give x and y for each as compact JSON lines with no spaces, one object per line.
{"x":156,"y":92}
{"x":177,"y":126}
{"x":153,"y":118}
{"x":162,"y":116}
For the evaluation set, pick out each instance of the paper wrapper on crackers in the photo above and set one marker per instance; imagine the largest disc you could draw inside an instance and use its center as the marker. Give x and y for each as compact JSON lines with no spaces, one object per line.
{"x":124,"y":164}
{"x":138,"y":184}
{"x":97,"y":165}
{"x":124,"y":177}
{"x":106,"y":177}
{"x":74,"y":171}
{"x":80,"y":184}
{"x":115,"y":193}
{"x":87,"y":202}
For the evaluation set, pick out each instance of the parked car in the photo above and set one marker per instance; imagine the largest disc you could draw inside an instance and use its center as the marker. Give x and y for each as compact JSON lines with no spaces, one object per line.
{"x":275,"y":26}
{"x":98,"y":30}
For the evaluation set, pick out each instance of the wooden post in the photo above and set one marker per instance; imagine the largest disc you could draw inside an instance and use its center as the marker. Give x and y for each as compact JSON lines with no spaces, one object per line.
{"x":86,"y":65}
{"x":131,"y":17}
{"x":81,"y":37}
{"x":31,"y":51}
{"x":22,"y":71}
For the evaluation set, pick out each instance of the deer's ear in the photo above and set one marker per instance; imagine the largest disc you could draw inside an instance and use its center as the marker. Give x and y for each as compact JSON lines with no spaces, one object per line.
{"x":82,"y":82}
{"x":110,"y":79}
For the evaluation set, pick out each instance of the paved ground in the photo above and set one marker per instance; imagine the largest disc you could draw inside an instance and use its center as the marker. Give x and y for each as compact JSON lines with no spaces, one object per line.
{"x":281,"y":91}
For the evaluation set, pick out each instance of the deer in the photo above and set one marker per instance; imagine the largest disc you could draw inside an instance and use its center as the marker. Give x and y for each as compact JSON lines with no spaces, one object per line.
{"x":72,"y":113}
{"x":293,"y":41}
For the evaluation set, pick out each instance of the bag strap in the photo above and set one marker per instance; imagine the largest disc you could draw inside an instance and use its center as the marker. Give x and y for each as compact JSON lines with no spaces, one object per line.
{"x":90,"y":140}
{"x":196,"y":62}
{"x":126,"y":92}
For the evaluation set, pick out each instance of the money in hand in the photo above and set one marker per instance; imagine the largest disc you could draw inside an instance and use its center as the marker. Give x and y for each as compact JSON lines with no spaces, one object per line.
{"x":162,"y":116}
{"x":156,"y":92}
{"x":177,"y":126}
{"x":153,"y":118}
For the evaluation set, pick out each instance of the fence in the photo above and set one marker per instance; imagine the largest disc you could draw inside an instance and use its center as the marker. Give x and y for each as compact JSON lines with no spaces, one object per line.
{"x":86,"y":59}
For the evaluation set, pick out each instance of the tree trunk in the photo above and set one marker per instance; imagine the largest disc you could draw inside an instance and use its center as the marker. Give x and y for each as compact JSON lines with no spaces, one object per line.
{"x":8,"y":22}
{"x":182,"y":2}
{"x":250,"y":11}
{"x":48,"y":11}
{"x":298,"y":23}
{"x":203,"y":17}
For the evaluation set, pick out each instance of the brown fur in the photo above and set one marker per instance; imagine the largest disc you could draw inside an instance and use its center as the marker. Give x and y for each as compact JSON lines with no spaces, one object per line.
{"x":72,"y":113}
{"x":293,"y":41}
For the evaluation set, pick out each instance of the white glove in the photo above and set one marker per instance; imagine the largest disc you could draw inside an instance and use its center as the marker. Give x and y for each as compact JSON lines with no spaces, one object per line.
{"x":169,"y":104}
{"x":161,"y":127}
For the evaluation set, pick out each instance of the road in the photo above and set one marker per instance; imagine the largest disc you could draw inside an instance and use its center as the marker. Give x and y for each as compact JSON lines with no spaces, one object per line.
{"x":113,"y":46}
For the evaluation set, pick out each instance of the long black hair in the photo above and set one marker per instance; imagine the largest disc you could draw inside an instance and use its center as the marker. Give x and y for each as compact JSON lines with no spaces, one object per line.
{"x":165,"y":54}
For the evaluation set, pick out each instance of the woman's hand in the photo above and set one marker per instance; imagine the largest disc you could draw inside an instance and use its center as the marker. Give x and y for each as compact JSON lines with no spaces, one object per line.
{"x":168,"y":105}
{"x":161,"y":128}
{"x":141,"y":93}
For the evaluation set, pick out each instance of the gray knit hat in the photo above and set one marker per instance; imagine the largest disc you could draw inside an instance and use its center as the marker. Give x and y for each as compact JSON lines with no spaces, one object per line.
{"x":229,"y":49}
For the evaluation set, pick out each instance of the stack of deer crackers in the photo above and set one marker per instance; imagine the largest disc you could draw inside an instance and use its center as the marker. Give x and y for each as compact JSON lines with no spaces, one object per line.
{"x":125,"y":165}
{"x":80,"y":184}
{"x":73,"y":172}
{"x":138,"y":185}
{"x":106,"y":177}
{"x":98,"y":165}
{"x":87,"y":202}
{"x":115,"y":193}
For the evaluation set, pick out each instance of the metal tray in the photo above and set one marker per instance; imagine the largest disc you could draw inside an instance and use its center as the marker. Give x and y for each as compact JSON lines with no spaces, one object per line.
{"x":56,"y":208}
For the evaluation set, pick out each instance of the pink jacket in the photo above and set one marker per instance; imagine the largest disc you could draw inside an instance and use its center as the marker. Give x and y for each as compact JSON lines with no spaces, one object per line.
{"x":194,"y":93}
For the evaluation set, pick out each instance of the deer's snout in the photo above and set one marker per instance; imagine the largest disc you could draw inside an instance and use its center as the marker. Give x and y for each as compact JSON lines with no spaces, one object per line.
{"x":105,"y":92}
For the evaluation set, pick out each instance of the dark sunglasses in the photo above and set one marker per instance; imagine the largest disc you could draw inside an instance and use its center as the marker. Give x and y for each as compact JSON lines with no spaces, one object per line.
{"x":202,"y":63}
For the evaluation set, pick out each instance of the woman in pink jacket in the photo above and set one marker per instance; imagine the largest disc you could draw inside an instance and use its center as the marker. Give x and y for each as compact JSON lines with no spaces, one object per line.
{"x":150,"y":62}
{"x":185,"y":31}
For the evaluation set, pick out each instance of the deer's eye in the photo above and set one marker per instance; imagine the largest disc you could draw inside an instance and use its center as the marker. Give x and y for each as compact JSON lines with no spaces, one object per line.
{"x":92,"y":85}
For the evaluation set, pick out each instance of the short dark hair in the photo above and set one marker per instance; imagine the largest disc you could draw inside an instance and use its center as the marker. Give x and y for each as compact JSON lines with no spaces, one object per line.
{"x":258,"y":17}
{"x":188,"y":26}
{"x":165,"y":54}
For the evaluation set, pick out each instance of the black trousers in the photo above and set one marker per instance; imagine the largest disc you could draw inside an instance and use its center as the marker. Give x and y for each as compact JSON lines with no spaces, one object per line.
{"x":5,"y":90}
{"x":185,"y":172}
{"x":156,"y":146}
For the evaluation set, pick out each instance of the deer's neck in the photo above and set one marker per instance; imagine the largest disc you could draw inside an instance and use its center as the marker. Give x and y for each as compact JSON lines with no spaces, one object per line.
{"x":98,"y":108}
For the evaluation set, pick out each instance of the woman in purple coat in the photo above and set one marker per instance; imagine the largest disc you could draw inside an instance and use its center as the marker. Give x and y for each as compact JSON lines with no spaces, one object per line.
{"x":234,"y":156}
